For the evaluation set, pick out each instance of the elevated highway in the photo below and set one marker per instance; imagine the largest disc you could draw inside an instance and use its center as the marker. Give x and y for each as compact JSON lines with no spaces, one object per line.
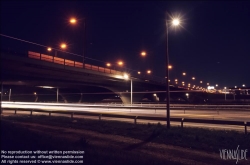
{"x":35,"y":69}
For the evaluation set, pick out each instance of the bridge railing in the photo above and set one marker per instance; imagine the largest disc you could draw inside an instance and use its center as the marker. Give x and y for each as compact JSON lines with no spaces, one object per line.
{"x":72,"y":63}
{"x":66,"y":62}
{"x":135,"y":118}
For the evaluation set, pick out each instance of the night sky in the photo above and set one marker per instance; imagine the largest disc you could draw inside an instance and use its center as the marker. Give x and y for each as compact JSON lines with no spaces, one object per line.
{"x":212,"y":44}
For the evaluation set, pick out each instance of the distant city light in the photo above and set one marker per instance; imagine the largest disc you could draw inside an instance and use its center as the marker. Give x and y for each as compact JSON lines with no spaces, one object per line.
{"x":201,"y":82}
{"x":170,"y":66}
{"x":139,"y":72}
{"x":193,"y":78}
{"x":184,"y":74}
{"x":108,"y":64}
{"x":243,"y":85}
{"x":49,"y":49}
{"x":148,"y":71}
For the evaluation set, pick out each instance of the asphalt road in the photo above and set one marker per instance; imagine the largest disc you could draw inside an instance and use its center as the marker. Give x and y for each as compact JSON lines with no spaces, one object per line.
{"x":216,"y":114}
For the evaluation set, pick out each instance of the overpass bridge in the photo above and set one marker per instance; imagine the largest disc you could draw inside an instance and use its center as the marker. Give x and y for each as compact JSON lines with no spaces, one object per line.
{"x":36,"y":69}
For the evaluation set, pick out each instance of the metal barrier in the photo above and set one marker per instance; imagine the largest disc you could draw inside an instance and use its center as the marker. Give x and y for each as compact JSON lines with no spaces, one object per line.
{"x":135,"y":118}
{"x":72,"y":63}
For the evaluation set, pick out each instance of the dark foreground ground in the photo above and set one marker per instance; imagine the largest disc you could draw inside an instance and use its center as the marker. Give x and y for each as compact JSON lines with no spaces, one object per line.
{"x":112,"y":143}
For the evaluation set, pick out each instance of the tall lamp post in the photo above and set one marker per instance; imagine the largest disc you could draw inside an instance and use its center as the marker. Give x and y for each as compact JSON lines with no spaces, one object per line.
{"x":174,"y":22}
{"x":74,"y":21}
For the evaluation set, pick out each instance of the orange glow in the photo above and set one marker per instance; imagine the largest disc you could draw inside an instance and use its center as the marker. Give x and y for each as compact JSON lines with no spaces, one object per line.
{"x":120,"y":63}
{"x":170,"y":66}
{"x":148,"y":71}
{"x":193,"y":78}
{"x":143,"y":53}
{"x":72,"y":21}
{"x":63,"y":46}
{"x":139,"y":72}
{"x":108,"y":64}
{"x":175,"y":80}
{"x":49,"y":49}
{"x":184,"y":74}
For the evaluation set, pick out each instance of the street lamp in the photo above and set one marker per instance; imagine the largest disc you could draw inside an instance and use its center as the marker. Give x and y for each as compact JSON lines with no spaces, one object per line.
{"x":120,"y":63}
{"x":175,"y":22}
{"x":143,"y":53}
{"x":73,"y":21}
{"x":63,"y":46}
{"x":148,"y":71}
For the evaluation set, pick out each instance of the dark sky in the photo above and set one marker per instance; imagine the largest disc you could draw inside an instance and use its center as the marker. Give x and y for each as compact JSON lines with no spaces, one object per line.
{"x":213,"y":43}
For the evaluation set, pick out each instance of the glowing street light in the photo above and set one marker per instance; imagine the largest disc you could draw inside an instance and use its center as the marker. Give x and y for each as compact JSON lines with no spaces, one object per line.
{"x":143,"y":53}
{"x":184,"y":74}
{"x":174,"y":22}
{"x":120,"y":63}
{"x":193,"y":78}
{"x":126,"y":76}
{"x":63,"y":46}
{"x":49,"y":49}
{"x":108,"y":64}
{"x":170,"y":66}
{"x":139,"y":72}
{"x":148,"y":71}
{"x":201,"y":82}
{"x":243,"y":85}
{"x":72,"y":20}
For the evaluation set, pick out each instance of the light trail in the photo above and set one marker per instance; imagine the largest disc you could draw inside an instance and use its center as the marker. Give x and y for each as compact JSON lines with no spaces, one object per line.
{"x":226,"y":115}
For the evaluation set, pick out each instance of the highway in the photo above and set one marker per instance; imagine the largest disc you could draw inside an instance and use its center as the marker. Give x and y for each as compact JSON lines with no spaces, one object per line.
{"x":225,"y":112}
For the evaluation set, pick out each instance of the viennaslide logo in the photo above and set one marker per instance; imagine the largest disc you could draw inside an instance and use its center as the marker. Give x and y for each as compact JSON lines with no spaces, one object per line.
{"x":233,"y":154}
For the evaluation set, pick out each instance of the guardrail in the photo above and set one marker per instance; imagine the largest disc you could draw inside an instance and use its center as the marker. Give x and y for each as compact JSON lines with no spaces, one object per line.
{"x":135,"y":118}
{"x":67,"y":62}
